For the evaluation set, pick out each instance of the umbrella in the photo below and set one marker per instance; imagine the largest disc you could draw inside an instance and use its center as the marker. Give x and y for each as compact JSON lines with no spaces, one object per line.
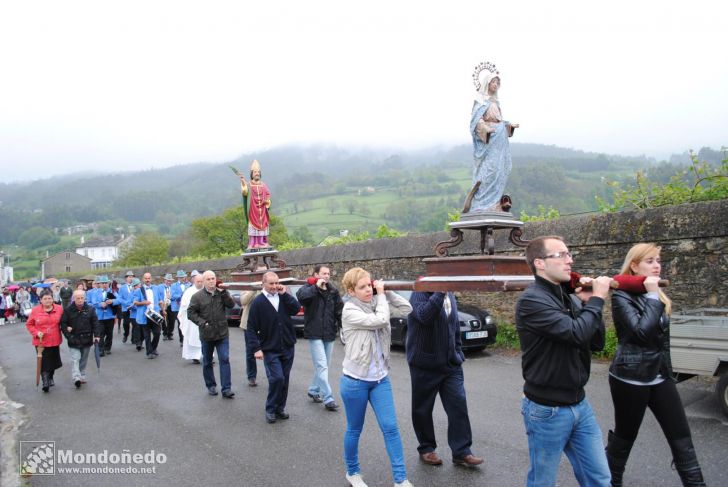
{"x":97,"y":355}
{"x":39,"y":359}
{"x":14,"y":287}
{"x":41,"y":284}
{"x":50,"y":280}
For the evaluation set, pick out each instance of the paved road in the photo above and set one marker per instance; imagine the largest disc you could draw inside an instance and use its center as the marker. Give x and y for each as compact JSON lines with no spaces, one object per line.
{"x":141,"y":405}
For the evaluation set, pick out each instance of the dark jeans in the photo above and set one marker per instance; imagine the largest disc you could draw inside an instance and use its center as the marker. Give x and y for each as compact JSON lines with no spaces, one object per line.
{"x":631,"y":401}
{"x":151,"y":336}
{"x":107,"y":334}
{"x":277,"y":368}
{"x":223,"y":355}
{"x":179,"y":330}
{"x":125,"y":323}
{"x":251,"y":365}
{"x":137,"y":334}
{"x":426,"y":384}
{"x":169,"y":323}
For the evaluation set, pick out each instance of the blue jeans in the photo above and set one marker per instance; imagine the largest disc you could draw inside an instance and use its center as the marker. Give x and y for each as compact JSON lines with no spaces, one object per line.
{"x":223,"y":355}
{"x":251,"y":365}
{"x":321,"y":357}
{"x":571,"y":429}
{"x":355,"y":395}
{"x":278,"y":370}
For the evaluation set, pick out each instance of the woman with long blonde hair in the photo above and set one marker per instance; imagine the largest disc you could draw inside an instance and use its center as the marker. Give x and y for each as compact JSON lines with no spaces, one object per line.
{"x":367,"y":336}
{"x":641,"y":373}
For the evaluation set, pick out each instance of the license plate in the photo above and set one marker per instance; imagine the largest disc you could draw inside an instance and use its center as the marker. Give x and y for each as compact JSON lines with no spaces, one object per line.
{"x":471,"y":335}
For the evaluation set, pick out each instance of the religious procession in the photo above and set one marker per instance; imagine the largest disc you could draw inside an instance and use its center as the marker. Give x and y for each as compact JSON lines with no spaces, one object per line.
{"x":559,"y":319}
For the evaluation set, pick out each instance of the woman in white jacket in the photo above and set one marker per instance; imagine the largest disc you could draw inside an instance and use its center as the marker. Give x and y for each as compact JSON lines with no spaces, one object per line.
{"x":367,"y":337}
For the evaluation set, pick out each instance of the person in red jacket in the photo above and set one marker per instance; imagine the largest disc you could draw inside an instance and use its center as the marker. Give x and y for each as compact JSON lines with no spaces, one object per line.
{"x":44,"y":325}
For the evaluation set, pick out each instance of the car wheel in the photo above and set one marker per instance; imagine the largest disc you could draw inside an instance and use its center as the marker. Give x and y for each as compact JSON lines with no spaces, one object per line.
{"x":721,"y":391}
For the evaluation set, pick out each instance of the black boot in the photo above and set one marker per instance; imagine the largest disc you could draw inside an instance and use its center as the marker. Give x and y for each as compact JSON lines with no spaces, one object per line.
{"x":617,"y":451}
{"x":50,"y":378}
{"x":686,"y":462}
{"x":44,"y":378}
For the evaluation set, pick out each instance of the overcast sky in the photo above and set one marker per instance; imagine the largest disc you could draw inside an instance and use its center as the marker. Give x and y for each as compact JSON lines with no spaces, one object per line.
{"x":134,"y":84}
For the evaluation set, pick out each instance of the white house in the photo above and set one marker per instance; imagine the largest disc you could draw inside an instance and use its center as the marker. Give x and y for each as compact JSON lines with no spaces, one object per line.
{"x":6,"y":272}
{"x":103,"y":250}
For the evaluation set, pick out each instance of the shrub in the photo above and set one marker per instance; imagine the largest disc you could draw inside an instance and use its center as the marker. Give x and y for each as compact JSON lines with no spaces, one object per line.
{"x":507,"y":336}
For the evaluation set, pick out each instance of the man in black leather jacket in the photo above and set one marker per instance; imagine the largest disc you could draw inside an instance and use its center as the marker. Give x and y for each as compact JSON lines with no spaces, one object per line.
{"x":207,"y":311}
{"x":322,"y":305}
{"x":81,"y":327}
{"x":558,"y":334}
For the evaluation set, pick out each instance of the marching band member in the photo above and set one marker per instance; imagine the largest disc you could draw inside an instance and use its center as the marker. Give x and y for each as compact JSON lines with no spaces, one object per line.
{"x":164,"y":297}
{"x":177,"y":290}
{"x":103,"y":301}
{"x":125,"y":292}
{"x":144,"y":300}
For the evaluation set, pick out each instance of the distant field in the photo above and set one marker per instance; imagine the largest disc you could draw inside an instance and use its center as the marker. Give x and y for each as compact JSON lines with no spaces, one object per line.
{"x":321,"y":222}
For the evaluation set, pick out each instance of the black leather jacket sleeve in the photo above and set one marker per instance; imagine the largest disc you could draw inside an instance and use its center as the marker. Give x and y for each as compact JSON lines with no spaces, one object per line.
{"x":636,"y":320}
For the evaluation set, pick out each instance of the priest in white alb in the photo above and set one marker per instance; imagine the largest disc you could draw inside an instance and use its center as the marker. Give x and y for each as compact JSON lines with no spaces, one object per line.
{"x":191,"y":345}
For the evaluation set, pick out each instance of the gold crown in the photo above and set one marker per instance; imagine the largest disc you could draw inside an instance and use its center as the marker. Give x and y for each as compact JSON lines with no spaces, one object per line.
{"x":255,"y":166}
{"x":479,"y":69}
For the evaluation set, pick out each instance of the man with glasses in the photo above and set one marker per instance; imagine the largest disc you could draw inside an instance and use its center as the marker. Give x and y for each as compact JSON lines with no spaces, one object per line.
{"x":558,"y":328}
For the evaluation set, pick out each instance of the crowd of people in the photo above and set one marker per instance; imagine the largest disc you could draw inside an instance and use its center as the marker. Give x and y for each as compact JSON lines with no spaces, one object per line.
{"x":559,"y":322}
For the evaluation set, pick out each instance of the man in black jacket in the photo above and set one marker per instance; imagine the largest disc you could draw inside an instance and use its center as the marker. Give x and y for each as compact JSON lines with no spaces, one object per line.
{"x":322,"y":306}
{"x":558,"y":334}
{"x":81,"y":327}
{"x":207,"y":311}
{"x":435,"y":358}
{"x":273,"y":338}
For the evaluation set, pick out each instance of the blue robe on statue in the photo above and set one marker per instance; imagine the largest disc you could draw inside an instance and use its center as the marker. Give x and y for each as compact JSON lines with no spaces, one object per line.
{"x":492,"y":161}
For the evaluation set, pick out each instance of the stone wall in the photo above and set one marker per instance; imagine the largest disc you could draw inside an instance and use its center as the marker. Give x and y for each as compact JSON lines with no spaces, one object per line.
{"x":693,"y":239}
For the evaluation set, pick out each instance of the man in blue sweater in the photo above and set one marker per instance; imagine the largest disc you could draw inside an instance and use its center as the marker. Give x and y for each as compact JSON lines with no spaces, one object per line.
{"x":273,"y":338}
{"x":435,"y":357}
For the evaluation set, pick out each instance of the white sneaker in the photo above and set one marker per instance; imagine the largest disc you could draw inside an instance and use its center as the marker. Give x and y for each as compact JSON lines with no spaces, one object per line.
{"x":355,"y":480}
{"x":404,"y":483}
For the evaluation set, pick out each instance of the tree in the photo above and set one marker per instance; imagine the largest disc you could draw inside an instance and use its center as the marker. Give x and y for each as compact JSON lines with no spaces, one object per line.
{"x":228,"y":234}
{"x":147,"y":249}
{"x":303,"y":234}
{"x":222,"y":234}
{"x":37,"y":237}
{"x":278,"y":233}
{"x":364,"y":208}
{"x":332,"y":205}
{"x":351,"y":206}
{"x":700,"y":182}
{"x":385,"y":232}
{"x":182,"y":245}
